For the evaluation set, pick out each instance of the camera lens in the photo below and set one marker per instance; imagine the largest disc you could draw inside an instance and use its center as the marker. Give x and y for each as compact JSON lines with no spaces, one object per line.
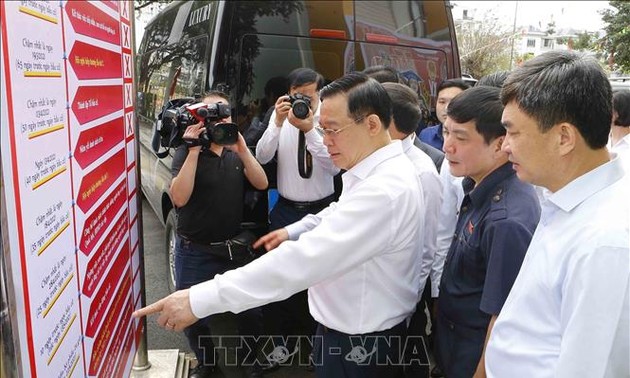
{"x":300,"y":109}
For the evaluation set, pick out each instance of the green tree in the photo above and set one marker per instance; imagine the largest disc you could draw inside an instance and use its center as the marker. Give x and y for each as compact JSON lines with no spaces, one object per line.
{"x":585,"y":41}
{"x":616,"y":42}
{"x":139,"y":4}
{"x":484,"y":46}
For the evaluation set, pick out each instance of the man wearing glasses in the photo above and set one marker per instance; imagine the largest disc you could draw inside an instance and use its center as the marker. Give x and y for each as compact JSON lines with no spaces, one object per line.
{"x":358,"y":257}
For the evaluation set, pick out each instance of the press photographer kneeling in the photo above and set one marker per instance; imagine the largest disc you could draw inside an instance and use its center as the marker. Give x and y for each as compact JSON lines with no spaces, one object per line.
{"x":207,"y":189}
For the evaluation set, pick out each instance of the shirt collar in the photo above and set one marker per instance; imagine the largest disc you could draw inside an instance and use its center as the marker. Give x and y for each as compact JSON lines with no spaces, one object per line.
{"x":438,"y":133}
{"x":407,"y":142}
{"x":625,"y":140}
{"x":363,"y":168}
{"x":585,"y":186}
{"x":486,"y":187}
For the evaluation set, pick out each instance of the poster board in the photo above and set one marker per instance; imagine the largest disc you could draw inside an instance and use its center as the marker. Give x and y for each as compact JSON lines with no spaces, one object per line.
{"x":70,"y":182}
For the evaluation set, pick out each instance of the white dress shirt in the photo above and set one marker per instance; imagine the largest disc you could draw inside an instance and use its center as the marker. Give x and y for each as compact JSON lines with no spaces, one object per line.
{"x":360,"y":261}
{"x":622,"y":148}
{"x":284,"y":140}
{"x":452,"y":197}
{"x":432,"y":188}
{"x":567,"y":313}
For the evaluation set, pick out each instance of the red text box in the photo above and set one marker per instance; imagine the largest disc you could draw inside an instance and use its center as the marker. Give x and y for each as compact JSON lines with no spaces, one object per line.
{"x":96,"y":183}
{"x":117,"y":342}
{"x":93,"y":102}
{"x":95,"y":142}
{"x":96,"y":268}
{"x":90,"y":62}
{"x":99,"y":220}
{"x":100,"y":304}
{"x":86,"y":19}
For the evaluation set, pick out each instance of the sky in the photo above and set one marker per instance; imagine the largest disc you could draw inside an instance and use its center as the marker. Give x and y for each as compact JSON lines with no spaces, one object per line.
{"x":580,"y":15}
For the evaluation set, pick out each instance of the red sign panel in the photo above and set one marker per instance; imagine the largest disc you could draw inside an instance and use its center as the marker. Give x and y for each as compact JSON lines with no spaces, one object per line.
{"x":95,"y":142}
{"x":86,"y":19}
{"x":94,"y":102}
{"x":100,"y":305}
{"x":100,"y":219}
{"x":90,"y":62}
{"x":96,"y":183}
{"x":97,"y":266}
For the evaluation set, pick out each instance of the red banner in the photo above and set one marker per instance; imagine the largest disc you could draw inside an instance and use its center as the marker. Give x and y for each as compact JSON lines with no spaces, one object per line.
{"x":91,"y":62}
{"x":96,"y":183}
{"x":95,"y":142}
{"x":94,"y":102}
{"x":95,"y":271}
{"x":100,"y":219}
{"x":125,"y":353}
{"x":100,"y":304}
{"x":86,"y":19}
{"x":105,"y":334}
{"x":111,"y":3}
{"x":116,"y":346}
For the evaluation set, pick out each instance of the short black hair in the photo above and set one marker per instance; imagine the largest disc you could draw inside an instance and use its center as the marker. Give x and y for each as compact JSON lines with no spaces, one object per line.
{"x":382,"y":74}
{"x":621,"y":104}
{"x":481,"y":105}
{"x":365,"y":96}
{"x":303,"y":76}
{"x":276,"y":86}
{"x":216,"y":93}
{"x":452,"y":83}
{"x":405,"y":107}
{"x":495,"y":79}
{"x":563,"y":86}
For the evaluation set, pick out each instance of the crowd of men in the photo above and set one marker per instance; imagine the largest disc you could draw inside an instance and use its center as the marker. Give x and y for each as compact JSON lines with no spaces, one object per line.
{"x":499,"y":238}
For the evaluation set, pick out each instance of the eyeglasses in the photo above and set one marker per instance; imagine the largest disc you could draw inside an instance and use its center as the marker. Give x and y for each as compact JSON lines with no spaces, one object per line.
{"x":334,"y":132}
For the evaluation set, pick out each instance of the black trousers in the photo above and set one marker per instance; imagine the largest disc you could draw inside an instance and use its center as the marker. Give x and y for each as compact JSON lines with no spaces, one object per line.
{"x":216,"y":339}
{"x":290,"y":317}
{"x":458,"y":348}
{"x":369,"y":355}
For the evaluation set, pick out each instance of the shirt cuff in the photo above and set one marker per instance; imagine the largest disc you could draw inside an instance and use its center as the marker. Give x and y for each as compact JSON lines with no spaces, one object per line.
{"x":202,"y":296}
{"x":295,"y":230}
{"x":313,"y":136}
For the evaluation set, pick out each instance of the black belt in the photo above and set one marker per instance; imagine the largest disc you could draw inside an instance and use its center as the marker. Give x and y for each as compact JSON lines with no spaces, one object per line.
{"x":400,"y":327}
{"x":308,"y":205}
{"x":235,"y":249}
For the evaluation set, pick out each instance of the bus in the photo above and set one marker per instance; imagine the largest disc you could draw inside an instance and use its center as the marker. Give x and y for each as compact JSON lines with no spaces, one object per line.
{"x":241,"y":46}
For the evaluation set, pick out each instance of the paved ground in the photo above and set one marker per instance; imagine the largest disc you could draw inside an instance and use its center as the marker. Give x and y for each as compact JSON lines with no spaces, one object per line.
{"x":156,"y":287}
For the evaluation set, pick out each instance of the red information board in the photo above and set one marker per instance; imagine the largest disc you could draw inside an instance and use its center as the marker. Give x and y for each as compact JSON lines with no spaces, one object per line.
{"x":69,"y":174}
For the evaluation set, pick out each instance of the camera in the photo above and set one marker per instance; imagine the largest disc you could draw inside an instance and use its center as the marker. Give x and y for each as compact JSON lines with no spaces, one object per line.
{"x":300,"y":104}
{"x":175,"y":121}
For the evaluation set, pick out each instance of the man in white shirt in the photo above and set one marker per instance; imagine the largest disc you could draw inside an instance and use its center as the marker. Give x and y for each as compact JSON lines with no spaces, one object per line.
{"x":406,"y":116}
{"x":620,"y":128}
{"x":304,"y":179}
{"x":358,"y":257}
{"x":567,"y":314}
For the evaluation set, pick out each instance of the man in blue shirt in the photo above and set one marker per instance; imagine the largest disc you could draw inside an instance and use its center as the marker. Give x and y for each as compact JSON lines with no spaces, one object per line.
{"x":496,"y":221}
{"x":446,"y":92}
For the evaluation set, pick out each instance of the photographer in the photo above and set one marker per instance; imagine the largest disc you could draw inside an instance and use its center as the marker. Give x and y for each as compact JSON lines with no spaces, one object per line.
{"x":305,"y":180}
{"x":207,"y":189}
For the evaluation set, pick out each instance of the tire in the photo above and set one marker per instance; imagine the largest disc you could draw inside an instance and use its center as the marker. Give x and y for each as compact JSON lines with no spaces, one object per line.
{"x":171,"y":228}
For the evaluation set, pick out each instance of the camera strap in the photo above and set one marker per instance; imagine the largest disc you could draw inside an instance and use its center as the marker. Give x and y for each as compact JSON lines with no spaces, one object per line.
{"x":305,"y":159}
{"x":192,"y":142}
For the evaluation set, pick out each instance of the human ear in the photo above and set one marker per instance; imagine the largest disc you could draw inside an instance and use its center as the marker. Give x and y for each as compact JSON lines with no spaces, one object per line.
{"x":374,"y":124}
{"x":568,"y":136}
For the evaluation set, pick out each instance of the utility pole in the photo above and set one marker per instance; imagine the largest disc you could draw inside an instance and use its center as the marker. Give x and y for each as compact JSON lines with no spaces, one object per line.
{"x":513,"y":36}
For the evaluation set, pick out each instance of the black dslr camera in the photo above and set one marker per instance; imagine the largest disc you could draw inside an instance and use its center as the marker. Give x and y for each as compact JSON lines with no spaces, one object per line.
{"x":301,"y":105}
{"x":176,"y":120}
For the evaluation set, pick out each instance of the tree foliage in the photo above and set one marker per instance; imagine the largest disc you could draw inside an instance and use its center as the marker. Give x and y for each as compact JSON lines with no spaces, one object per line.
{"x":616,"y":42}
{"x":585,"y":41}
{"x":484,"y":46}
{"x":140,"y":4}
